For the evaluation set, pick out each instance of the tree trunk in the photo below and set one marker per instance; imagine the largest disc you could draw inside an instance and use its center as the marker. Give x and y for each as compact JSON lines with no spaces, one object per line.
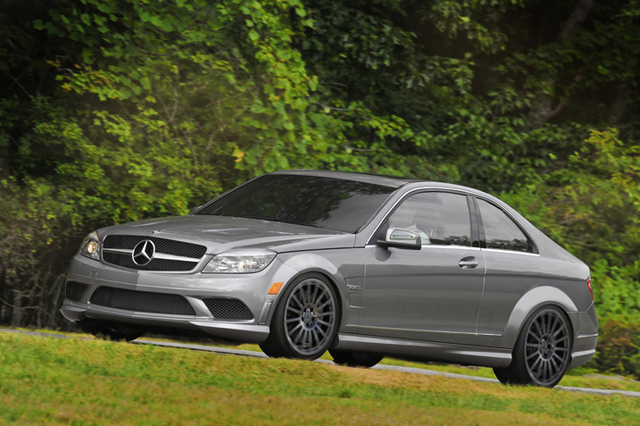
{"x":17,"y":310}
{"x":4,"y":314}
{"x":619,"y":103}
{"x":575,"y":21}
{"x":59,"y":285}
{"x":542,"y":106}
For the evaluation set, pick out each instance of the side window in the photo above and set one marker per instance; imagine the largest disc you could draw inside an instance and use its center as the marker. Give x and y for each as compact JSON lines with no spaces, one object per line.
{"x":438,"y":217}
{"x":500,"y":230}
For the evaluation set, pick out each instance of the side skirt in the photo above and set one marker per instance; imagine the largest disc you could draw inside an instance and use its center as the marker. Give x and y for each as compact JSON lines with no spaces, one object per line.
{"x":426,"y":351}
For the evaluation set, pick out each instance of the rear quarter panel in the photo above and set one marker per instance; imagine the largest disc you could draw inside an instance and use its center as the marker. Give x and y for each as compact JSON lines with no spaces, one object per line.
{"x":518,"y":284}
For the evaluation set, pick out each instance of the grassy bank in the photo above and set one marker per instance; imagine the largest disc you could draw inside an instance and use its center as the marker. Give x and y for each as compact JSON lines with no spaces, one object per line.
{"x":74,"y":381}
{"x":579,"y":377}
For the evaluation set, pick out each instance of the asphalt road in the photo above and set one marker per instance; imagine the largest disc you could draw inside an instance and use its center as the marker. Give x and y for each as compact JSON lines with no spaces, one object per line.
{"x":411,"y":370}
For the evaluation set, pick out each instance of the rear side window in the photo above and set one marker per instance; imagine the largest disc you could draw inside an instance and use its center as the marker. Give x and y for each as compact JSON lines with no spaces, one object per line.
{"x":438,"y":217}
{"x":500,"y":231}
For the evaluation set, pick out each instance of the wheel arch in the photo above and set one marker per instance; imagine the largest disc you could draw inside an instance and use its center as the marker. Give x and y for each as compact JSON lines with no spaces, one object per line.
{"x":533,"y":300}
{"x":308,"y":263}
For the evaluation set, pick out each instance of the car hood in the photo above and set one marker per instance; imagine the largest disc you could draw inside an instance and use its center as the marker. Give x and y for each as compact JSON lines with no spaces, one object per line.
{"x":222,"y":233}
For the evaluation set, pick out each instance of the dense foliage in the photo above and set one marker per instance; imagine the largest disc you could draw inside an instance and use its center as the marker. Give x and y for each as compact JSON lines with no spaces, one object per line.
{"x":114,"y":111}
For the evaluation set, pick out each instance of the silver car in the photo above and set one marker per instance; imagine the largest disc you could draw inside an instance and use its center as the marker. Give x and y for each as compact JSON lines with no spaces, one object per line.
{"x":363,"y":266}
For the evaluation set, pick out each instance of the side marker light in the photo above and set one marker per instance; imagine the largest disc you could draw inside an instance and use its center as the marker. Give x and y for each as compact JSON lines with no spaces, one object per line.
{"x":275,"y":288}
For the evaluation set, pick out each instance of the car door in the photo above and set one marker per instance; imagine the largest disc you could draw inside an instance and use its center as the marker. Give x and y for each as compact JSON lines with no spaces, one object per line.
{"x":432,"y":294}
{"x":513,"y":268}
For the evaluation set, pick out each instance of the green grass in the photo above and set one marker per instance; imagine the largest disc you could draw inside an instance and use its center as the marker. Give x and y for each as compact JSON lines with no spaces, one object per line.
{"x":579,"y":377}
{"x":78,"y":381}
{"x":575,"y":378}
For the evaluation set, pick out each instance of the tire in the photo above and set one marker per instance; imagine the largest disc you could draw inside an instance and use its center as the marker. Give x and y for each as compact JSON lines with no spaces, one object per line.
{"x":112,"y":332}
{"x":305,"y":321}
{"x":542,"y":352}
{"x":355,"y":359}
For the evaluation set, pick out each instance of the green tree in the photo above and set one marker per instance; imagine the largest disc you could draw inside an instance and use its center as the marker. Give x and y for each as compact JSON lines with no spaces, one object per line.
{"x":120,"y":110}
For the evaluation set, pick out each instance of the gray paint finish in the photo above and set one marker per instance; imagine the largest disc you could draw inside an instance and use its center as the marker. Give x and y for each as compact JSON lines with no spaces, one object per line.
{"x":422,"y":295}
{"x":419,"y":304}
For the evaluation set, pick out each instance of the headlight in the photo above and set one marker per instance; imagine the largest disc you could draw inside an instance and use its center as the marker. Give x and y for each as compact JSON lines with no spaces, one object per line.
{"x":240,"y":262}
{"x":91,"y":246}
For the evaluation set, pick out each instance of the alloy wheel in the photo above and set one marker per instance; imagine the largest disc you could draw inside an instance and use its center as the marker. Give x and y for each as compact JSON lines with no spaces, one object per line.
{"x":547,"y":347}
{"x":310,"y":316}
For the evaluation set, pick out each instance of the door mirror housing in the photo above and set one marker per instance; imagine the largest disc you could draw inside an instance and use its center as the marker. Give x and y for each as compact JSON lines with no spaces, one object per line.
{"x":401,"y":238}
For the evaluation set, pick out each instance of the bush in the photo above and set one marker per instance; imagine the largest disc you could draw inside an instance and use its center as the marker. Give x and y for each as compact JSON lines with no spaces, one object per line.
{"x":618,"y":349}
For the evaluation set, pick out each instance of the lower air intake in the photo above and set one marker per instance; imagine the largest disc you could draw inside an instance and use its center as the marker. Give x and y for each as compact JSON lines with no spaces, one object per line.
{"x":141,"y":301}
{"x":228,"y":309}
{"x":74,"y":291}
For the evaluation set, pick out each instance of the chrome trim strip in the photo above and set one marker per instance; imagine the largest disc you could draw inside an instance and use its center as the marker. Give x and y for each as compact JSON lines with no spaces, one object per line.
{"x":115,"y":250}
{"x":586,"y":336}
{"x":510,"y":251}
{"x":436,"y":246}
{"x":477,"y":353}
{"x":404,"y":197}
{"x":452,"y":246}
{"x":158,"y":255}
{"x":232,"y":326}
{"x":265,"y":312}
{"x":419,"y":331}
{"x":584,"y":353}
{"x":174,"y":257}
{"x":466,"y":333}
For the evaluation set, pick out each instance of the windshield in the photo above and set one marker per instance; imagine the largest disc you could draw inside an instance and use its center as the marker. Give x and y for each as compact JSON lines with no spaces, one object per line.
{"x":336,"y":204}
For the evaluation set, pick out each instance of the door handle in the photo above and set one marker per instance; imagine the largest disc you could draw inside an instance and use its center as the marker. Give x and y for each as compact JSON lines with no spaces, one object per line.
{"x":468,"y":262}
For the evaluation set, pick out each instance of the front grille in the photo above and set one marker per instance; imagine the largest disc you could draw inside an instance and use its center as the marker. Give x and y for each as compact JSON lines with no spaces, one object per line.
{"x":74,"y":291}
{"x":125,"y":259}
{"x":230,"y":309}
{"x":162,"y":245}
{"x":177,"y":248}
{"x":141,"y":301}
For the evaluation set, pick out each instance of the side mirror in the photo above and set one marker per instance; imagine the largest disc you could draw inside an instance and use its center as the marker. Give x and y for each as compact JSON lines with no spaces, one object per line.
{"x":401,"y":238}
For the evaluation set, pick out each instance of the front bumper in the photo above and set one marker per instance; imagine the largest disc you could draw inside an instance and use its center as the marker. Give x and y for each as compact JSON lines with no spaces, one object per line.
{"x":248,"y":332}
{"x":250,"y":289}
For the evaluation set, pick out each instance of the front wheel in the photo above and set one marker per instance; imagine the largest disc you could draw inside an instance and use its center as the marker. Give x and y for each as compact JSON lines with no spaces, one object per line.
{"x":542,"y":352}
{"x":305,"y":321}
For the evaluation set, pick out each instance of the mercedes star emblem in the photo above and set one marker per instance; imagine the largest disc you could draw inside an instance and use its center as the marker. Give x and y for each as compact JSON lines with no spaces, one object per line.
{"x":143,"y":252}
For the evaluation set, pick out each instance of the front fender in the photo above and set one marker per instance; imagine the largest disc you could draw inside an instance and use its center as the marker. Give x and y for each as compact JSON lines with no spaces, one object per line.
{"x":328,"y":263}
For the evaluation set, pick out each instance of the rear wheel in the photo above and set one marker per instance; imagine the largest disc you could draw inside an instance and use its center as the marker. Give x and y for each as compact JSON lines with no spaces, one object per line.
{"x":542,"y":352}
{"x":355,"y":359}
{"x":305,"y":321}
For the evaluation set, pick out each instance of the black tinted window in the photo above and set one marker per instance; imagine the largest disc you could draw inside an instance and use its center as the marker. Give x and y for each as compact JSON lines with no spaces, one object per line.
{"x":438,"y":217}
{"x":342,"y":205}
{"x":500,"y":231}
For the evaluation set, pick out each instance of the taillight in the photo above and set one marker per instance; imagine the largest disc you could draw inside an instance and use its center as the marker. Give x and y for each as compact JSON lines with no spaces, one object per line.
{"x":590,"y":288}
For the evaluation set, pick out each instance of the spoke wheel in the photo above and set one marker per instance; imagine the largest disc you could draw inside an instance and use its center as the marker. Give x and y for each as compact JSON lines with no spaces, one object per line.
{"x":546,"y":347}
{"x":542,"y":352}
{"x":306,"y":320}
